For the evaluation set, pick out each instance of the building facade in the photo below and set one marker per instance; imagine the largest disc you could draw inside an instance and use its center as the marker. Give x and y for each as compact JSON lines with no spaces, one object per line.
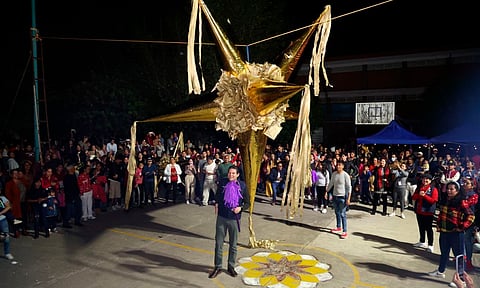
{"x":412,"y":81}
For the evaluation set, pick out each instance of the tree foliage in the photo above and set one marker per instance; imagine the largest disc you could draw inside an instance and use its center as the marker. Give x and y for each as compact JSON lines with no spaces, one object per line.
{"x":138,"y":81}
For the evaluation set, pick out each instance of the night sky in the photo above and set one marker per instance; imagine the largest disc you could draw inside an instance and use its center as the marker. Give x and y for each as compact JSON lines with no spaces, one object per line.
{"x":398,"y":26}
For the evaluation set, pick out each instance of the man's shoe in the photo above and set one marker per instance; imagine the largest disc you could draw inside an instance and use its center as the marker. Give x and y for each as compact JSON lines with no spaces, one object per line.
{"x":420,"y":245}
{"x":232,"y":271}
{"x":214,"y":273}
{"x":469,"y":266}
{"x":335,"y":230}
{"x":452,"y":284}
{"x":437,"y":274}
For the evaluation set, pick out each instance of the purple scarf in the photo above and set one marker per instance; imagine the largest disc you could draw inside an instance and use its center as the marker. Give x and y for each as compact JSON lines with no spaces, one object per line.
{"x":232,"y":194}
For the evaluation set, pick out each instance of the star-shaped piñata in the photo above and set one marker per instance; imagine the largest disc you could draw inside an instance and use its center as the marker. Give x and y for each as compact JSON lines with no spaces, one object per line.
{"x":252,"y":99}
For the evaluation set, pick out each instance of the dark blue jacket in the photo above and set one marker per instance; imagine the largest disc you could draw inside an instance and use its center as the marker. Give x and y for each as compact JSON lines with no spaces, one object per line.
{"x":227,"y":212}
{"x":274,"y":173}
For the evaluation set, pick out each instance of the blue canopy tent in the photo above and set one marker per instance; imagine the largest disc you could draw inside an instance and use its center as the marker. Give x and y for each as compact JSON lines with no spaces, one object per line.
{"x":393,"y":133}
{"x":468,"y":133}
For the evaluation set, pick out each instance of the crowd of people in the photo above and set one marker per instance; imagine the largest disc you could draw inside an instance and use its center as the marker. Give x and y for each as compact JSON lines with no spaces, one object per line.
{"x":76,"y":181}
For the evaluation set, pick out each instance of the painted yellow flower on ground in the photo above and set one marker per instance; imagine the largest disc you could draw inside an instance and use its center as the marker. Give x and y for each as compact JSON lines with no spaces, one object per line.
{"x":283,"y":269}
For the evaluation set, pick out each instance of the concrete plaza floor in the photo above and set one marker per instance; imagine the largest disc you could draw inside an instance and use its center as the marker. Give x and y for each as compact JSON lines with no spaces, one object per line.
{"x":172,"y":246}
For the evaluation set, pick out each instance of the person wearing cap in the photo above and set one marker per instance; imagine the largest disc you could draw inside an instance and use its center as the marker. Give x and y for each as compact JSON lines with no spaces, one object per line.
{"x":449,"y":175}
{"x":426,"y":198}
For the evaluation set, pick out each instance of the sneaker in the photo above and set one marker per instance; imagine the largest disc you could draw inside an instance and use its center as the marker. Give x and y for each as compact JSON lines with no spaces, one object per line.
{"x":420,"y":245}
{"x":315,"y":209}
{"x":430,"y":249}
{"x":84,"y":219}
{"x":187,"y":202}
{"x":324,"y":210}
{"x":16,"y":221}
{"x":9,"y":256}
{"x":437,"y":274}
{"x":469,"y":266}
{"x":114,"y":208}
{"x":92,"y":218}
{"x":54,"y":230}
{"x":344,"y":235}
{"x":402,"y":216}
{"x":452,"y":284}
{"x":392,"y":214}
{"x":337,"y":229}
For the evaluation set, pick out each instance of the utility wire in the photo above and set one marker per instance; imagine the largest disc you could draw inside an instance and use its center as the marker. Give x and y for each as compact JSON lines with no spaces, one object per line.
{"x":19,"y":86}
{"x":208,"y":43}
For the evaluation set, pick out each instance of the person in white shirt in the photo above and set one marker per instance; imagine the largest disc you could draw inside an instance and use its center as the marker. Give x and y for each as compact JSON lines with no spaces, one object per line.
{"x":12,"y":163}
{"x":4,"y":208}
{"x":172,"y":176}
{"x":323,"y":178}
{"x":112,"y":147}
{"x":210,"y":182}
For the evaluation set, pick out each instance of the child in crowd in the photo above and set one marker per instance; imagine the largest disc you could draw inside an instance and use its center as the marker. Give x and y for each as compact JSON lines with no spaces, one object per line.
{"x":51,"y":213}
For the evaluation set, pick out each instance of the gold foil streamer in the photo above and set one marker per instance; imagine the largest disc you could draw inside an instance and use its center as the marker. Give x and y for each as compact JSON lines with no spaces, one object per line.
{"x":264,"y":92}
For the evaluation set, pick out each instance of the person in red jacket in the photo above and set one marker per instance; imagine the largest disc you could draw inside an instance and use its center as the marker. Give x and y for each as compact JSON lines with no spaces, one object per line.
{"x":14,"y":189}
{"x":86,"y":193}
{"x":426,"y":198}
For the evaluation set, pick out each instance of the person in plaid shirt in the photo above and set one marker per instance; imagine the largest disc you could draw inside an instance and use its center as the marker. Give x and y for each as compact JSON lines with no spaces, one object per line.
{"x":454,"y":218}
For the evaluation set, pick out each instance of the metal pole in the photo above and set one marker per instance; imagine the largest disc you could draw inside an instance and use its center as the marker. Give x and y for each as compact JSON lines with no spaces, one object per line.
{"x":34,"y":34}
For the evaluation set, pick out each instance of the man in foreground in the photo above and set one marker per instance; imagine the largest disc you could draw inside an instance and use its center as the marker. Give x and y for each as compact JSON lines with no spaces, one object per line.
{"x":231,"y":199}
